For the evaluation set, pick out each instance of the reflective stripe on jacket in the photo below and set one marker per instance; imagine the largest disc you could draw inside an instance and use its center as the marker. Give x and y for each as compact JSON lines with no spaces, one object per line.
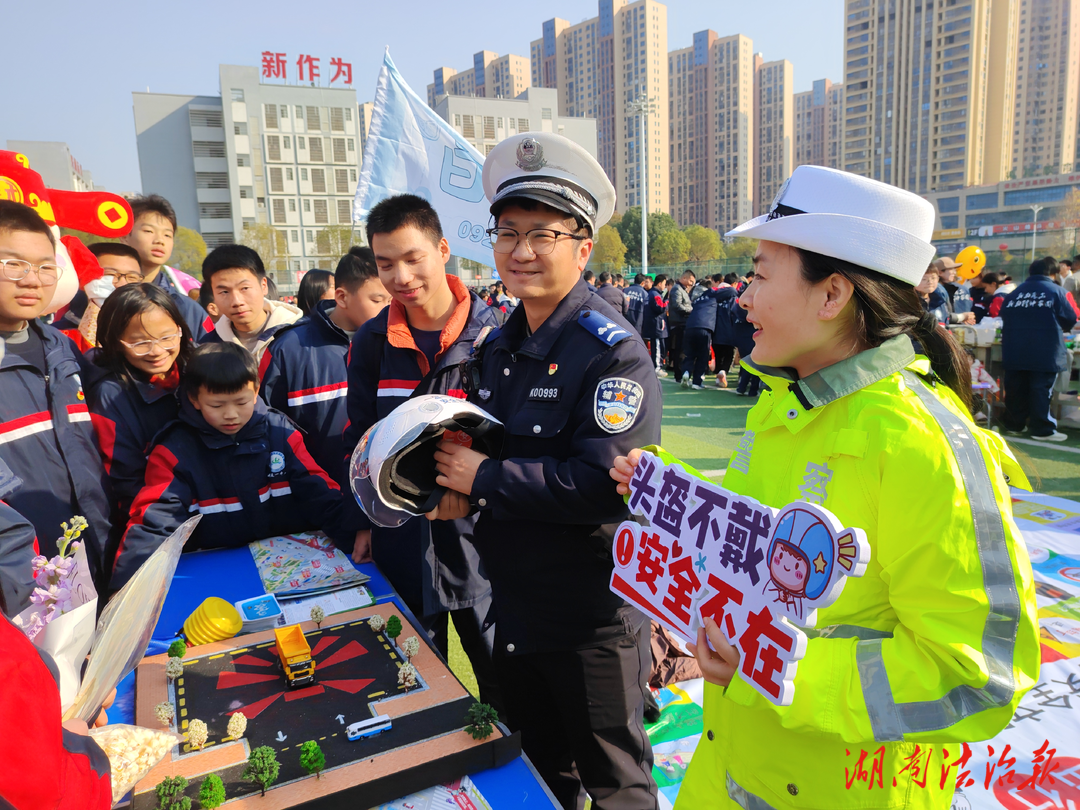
{"x":933,"y":646}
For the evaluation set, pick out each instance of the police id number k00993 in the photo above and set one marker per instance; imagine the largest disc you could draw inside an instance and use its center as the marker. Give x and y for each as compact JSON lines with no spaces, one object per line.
{"x":545,"y":394}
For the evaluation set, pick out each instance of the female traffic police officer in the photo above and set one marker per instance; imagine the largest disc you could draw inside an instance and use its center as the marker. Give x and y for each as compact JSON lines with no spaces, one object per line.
{"x":574,"y":385}
{"x":938,"y":641}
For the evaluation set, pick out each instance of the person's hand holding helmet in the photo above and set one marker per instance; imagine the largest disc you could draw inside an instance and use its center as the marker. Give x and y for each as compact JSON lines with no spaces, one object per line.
{"x":457,"y":466}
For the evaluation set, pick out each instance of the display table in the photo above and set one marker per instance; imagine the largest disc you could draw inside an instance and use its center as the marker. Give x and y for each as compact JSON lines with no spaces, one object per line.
{"x":231,"y":575}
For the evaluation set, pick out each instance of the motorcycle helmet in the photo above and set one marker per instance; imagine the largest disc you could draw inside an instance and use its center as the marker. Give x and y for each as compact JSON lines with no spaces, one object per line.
{"x":392,"y":471}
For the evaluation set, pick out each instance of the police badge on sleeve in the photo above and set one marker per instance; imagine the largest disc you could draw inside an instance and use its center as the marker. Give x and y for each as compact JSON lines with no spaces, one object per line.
{"x":617,"y":403}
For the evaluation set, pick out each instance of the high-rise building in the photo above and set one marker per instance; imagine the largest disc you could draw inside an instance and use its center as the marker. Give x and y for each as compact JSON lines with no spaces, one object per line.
{"x":601,"y":65}
{"x":928,"y":88}
{"x":774,"y":128}
{"x":282,"y":155}
{"x":54,"y":162}
{"x":1047,"y":88}
{"x":364,"y":113}
{"x":711,"y":126}
{"x":491,"y":76}
{"x":817,"y":125}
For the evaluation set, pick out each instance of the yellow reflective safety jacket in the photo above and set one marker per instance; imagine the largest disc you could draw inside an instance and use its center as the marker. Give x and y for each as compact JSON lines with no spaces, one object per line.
{"x":933,"y":646}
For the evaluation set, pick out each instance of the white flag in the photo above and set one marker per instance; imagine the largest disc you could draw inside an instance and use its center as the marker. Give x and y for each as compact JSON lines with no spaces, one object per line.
{"x":411,"y":150}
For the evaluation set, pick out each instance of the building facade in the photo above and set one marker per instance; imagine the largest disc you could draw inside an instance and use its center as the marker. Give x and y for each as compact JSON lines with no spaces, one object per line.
{"x":491,"y":76}
{"x":928,"y":91}
{"x":1047,"y":88}
{"x":484,"y":122}
{"x":711,"y":129}
{"x":260,"y":154}
{"x":54,"y":162}
{"x":600,"y":66}
{"x":774,"y":127}
{"x":817,"y":124}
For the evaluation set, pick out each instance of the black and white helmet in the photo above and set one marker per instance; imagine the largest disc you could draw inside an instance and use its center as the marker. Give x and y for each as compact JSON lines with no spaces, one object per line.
{"x":392,"y":471}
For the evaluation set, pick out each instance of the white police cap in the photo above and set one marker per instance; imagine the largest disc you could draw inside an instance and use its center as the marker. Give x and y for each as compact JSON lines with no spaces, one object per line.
{"x":553,"y":170}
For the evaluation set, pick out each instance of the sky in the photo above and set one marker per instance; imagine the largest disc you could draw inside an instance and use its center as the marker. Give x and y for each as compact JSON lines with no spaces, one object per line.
{"x":83,"y":62}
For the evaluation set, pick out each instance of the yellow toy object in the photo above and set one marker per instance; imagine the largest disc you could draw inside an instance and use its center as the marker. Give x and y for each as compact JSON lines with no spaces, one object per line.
{"x":213,"y":620}
{"x":972,"y":260}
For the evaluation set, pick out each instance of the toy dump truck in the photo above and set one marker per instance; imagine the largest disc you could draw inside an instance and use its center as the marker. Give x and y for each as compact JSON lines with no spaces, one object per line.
{"x":295,"y":655}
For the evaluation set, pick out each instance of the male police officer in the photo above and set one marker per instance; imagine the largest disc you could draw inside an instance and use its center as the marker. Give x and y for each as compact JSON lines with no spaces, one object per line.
{"x":575,"y":387}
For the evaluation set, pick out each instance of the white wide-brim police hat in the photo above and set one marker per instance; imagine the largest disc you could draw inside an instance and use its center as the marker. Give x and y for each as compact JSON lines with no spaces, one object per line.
{"x":866,"y":222}
{"x":553,"y":170}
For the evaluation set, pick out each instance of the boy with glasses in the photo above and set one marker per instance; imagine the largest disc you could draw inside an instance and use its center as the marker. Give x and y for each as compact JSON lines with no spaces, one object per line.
{"x":45,"y":433}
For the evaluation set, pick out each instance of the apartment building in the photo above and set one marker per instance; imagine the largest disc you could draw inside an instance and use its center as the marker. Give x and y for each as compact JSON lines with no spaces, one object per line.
{"x":774,"y":128}
{"x":711,"y":129}
{"x":601,"y":65}
{"x":928,"y":91}
{"x":283,"y":155}
{"x":817,"y":124}
{"x":1047,"y":88}
{"x":491,"y":76}
{"x":54,"y":162}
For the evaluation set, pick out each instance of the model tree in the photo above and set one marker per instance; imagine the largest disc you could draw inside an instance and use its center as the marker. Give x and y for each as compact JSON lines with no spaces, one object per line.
{"x":177,"y":649}
{"x":237,"y":725}
{"x":482,"y":718}
{"x":411,"y":647}
{"x":165,"y":712}
{"x":197,"y":733}
{"x":317,"y":616}
{"x":406,"y":676}
{"x":312,"y":759}
{"x":262,"y":767}
{"x":170,"y":793}
{"x":393,"y":627}
{"x":174,"y":669}
{"x":211,"y":792}
{"x":376,"y":623}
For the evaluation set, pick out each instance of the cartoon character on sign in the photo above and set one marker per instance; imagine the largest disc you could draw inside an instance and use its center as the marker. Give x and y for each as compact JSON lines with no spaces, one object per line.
{"x":803,"y":551}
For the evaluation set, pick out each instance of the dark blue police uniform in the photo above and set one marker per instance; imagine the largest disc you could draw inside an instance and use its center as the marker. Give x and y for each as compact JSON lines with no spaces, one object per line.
{"x":572,"y":657}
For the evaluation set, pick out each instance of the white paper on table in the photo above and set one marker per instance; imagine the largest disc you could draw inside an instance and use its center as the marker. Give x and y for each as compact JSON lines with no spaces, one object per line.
{"x":299,"y":610}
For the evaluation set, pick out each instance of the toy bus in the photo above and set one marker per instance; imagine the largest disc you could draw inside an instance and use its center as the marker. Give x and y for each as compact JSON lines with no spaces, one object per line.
{"x":369,"y":728}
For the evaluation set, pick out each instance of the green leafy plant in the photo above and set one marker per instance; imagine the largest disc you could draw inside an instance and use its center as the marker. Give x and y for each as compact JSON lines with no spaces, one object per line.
{"x":312,"y":759}
{"x":211,"y":792}
{"x":262,"y":767}
{"x":170,"y":793}
{"x":393,"y":627}
{"x":177,"y":649}
{"x":482,"y":719}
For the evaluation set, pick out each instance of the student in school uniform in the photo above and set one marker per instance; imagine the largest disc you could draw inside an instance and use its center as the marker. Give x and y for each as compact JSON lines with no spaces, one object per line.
{"x":143,"y":346}
{"x":305,"y":374}
{"x":239,"y":464}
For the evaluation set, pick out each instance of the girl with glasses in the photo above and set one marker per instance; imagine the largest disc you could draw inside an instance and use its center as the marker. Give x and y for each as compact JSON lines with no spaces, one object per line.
{"x":143,"y":345}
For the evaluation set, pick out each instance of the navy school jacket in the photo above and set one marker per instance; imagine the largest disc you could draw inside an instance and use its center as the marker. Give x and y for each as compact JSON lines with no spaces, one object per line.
{"x":637,"y":310}
{"x":47,"y":440}
{"x":432,"y":564}
{"x":703,"y":316}
{"x":614,"y":296}
{"x":724,"y":326}
{"x":1033,"y":317}
{"x":18,"y":546}
{"x":126,"y":419}
{"x":305,"y":377}
{"x":257,"y":484}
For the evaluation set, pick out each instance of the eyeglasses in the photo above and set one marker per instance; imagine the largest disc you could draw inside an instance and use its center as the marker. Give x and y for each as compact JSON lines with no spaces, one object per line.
{"x":144,"y":347}
{"x":17,"y":270}
{"x":540,"y":241}
{"x":124,"y":278}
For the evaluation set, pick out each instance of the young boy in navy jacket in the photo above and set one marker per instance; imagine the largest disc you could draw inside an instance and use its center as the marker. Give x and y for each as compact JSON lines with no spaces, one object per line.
{"x":241,"y":465}
{"x":305,"y":372}
{"x":46,"y":438}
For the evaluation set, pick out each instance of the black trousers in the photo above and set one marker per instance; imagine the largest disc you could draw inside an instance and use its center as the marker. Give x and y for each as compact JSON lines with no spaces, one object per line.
{"x":476,"y":643}
{"x":675,"y":340}
{"x":725,"y":356}
{"x":748,"y":382}
{"x":1027,"y":401}
{"x":697,"y":343}
{"x":580,"y":715}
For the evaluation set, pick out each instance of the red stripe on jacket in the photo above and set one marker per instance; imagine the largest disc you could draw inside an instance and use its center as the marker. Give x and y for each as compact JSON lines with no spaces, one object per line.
{"x":296,"y":442}
{"x":159,"y":476}
{"x":105,"y":430}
